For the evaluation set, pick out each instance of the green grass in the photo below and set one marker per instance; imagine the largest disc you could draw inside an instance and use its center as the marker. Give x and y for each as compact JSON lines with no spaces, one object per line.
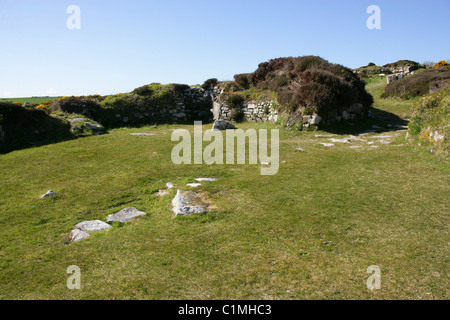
{"x":400,"y":107}
{"x":309,"y":232}
{"x":29,"y":99}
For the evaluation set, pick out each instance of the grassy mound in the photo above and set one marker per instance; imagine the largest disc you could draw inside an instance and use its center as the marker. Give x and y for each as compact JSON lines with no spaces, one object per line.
{"x":23,"y":127}
{"x":306,"y":85}
{"x":431,"y":80}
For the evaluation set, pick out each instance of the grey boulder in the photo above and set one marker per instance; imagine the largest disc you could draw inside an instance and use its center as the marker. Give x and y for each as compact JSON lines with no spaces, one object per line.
{"x":125,"y":215}
{"x":93,"y":226}
{"x":222,"y":125}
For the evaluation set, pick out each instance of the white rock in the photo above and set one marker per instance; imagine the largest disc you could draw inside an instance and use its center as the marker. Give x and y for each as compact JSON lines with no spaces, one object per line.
{"x":78,"y":235}
{"x":299,"y":149}
{"x":125,"y":215}
{"x":181,"y":205}
{"x":93,"y":226}
{"x":206,"y":179}
{"x":339,"y":140}
{"x":194,"y":185}
{"x":49,"y":193}
{"x":142,"y":134}
{"x":327,"y":144}
{"x":355,"y":147}
{"x":384,"y":142}
{"x":169,"y":185}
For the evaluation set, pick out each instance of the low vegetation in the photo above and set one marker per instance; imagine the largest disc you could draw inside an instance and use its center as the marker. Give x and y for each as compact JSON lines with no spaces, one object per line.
{"x":305,"y":85}
{"x":431,"y":80}
{"x":431,"y":120}
{"x":29,"y":126}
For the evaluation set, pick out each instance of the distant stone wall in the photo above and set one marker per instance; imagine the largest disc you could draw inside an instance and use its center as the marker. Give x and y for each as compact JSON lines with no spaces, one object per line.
{"x":254,"y":111}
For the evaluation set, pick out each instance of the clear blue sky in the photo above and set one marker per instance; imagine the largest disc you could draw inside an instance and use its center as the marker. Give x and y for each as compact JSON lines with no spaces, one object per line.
{"x":125,"y":44}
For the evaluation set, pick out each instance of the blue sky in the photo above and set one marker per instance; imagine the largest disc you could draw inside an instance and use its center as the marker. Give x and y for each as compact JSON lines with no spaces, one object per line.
{"x":125,"y":44}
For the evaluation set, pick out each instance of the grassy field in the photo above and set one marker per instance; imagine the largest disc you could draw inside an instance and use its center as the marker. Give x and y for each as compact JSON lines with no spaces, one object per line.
{"x":29,"y":99}
{"x":309,"y":232}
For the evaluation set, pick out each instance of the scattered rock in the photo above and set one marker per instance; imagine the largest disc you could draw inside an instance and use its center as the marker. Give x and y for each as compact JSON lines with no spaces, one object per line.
{"x":184,"y":204}
{"x":163,"y":192}
{"x":49,"y":193}
{"x":324,"y":135}
{"x":125,"y":215}
{"x":93,"y":226}
{"x":222,"y":125}
{"x":206,"y":179}
{"x":169,"y":185}
{"x":355,"y":147}
{"x":327,"y":144}
{"x":384,"y":142}
{"x":194,"y":185}
{"x":339,"y":140}
{"x":78,"y":235}
{"x":93,"y":126}
{"x":355,"y":138}
{"x":142,"y":134}
{"x":299,"y":149}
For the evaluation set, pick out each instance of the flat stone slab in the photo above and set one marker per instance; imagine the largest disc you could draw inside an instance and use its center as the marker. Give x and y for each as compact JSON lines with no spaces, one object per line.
{"x":206,"y":179}
{"x":339,"y":140}
{"x":125,"y":215}
{"x":194,"y":185}
{"x":185,"y":204}
{"x":93,"y":226}
{"x":49,"y":193}
{"x":142,"y":134}
{"x":78,"y":235}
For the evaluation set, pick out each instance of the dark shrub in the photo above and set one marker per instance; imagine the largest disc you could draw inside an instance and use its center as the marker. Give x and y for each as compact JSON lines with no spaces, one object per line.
{"x":235,"y":101}
{"x":242,"y":80}
{"x":78,"y":105}
{"x":210,"y":84}
{"x":25,"y":127}
{"x":178,"y":89}
{"x":237,"y":115}
{"x":417,"y":84}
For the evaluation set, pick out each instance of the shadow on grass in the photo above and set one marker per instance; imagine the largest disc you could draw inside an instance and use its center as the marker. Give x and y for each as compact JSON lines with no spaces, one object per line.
{"x":379,"y":121}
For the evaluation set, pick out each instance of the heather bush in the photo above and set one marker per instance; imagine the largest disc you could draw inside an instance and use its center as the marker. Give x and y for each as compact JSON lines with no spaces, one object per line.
{"x":78,"y":105}
{"x":417,"y":84}
{"x":210,"y":84}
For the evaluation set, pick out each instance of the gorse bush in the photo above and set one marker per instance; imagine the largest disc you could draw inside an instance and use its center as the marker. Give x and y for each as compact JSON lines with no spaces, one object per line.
{"x":418,"y":84}
{"x":442,"y":64}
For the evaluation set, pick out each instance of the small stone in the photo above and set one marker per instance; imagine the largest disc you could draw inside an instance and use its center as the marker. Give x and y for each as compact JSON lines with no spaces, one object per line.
{"x":93,"y":226}
{"x":206,"y":179}
{"x":299,"y":149}
{"x":78,"y":235}
{"x":169,"y":185}
{"x":125,"y":215}
{"x":327,"y":144}
{"x":142,"y":134}
{"x":194,"y":185}
{"x":339,"y":140}
{"x":49,"y":193}
{"x":182,"y":204}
